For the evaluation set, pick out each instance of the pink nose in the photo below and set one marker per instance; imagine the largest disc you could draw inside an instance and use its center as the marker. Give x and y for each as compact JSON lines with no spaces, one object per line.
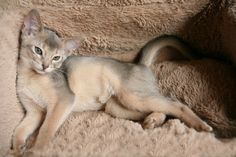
{"x":45,"y":66}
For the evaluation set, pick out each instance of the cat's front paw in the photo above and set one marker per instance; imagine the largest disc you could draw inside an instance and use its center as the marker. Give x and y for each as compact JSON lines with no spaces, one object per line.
{"x":14,"y":153}
{"x":29,"y":152}
{"x":40,"y":144}
{"x":33,"y":150}
{"x":19,"y":149}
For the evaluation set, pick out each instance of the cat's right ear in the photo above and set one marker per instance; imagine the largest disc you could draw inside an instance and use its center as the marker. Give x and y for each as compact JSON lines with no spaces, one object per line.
{"x":72,"y":44}
{"x":32,"y":23}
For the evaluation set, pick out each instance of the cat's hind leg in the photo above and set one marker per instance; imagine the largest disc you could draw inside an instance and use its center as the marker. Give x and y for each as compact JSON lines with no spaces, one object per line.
{"x":164,"y":105}
{"x":115,"y":109}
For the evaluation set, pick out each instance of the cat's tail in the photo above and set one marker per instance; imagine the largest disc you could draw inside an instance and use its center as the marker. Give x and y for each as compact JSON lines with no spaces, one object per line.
{"x":152,"y":49}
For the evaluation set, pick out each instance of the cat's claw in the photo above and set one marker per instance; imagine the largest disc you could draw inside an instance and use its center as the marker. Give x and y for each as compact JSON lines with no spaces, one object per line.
{"x":206,"y":127}
{"x":203,"y":126}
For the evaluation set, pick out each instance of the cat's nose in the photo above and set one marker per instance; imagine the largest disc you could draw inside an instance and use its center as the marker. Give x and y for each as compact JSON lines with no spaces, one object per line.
{"x":45,"y":66}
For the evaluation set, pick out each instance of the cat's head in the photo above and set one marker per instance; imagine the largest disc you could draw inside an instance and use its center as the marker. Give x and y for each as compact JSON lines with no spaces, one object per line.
{"x":41,"y":48}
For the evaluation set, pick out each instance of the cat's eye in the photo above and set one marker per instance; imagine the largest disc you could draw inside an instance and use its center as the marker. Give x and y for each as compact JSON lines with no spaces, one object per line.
{"x":38,"y":50}
{"x":56,"y":58}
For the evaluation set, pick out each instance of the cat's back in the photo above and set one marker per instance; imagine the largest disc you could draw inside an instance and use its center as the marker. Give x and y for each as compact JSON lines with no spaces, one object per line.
{"x":73,"y":62}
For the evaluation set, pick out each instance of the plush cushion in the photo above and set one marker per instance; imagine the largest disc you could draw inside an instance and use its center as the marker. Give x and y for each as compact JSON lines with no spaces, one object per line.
{"x":119,"y":29}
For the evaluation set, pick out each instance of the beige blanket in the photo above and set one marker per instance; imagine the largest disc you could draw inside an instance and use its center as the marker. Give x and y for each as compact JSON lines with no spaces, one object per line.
{"x":119,"y":29}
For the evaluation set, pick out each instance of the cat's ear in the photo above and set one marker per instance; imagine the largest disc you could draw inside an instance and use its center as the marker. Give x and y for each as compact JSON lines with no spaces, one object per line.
{"x":71,"y":45}
{"x":32,"y":23}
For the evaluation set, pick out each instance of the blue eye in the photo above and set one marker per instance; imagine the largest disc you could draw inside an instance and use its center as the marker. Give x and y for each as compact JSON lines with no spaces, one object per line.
{"x":38,"y":50}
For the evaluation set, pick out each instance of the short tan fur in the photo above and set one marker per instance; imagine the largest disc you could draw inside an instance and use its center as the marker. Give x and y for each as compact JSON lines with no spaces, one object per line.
{"x":51,"y":84}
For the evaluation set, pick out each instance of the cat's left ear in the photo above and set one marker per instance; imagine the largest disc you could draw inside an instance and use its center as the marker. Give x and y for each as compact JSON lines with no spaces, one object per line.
{"x":32,"y":23}
{"x":71,"y":45}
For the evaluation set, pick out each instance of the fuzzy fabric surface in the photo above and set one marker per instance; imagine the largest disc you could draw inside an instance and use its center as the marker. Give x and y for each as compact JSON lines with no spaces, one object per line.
{"x":119,"y":29}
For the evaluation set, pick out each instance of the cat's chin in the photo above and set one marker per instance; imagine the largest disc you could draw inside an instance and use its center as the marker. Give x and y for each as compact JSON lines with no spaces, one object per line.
{"x":43,"y":71}
{"x":40,"y":71}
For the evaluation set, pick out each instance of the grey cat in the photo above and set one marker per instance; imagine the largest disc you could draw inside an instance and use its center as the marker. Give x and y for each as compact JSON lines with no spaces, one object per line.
{"x":51,"y":84}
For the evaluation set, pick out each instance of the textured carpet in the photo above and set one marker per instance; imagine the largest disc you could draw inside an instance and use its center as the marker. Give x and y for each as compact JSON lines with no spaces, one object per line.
{"x":119,"y":29}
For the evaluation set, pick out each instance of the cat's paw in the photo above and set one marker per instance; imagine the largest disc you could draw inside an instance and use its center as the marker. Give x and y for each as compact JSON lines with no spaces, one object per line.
{"x":13,"y":153}
{"x":154,"y":120}
{"x":29,"y":153}
{"x":201,"y":126}
{"x":40,"y":144}
{"x":19,"y":149}
{"x":205,"y":127}
{"x":17,"y":153}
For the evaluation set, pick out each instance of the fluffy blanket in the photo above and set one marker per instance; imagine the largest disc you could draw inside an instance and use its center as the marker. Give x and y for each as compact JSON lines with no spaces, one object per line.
{"x":119,"y":29}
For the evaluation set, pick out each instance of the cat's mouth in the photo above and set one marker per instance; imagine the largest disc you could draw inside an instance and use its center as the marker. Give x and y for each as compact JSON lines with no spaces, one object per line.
{"x":40,"y":71}
{"x":43,"y":71}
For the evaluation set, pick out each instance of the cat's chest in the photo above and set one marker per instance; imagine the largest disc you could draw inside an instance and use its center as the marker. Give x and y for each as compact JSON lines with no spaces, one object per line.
{"x":38,"y":90}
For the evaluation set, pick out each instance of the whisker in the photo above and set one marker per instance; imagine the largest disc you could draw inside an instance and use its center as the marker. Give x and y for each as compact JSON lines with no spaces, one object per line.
{"x":62,"y":71}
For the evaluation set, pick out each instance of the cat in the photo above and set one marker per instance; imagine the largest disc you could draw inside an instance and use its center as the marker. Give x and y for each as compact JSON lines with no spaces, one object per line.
{"x":51,"y":83}
{"x":41,"y":86}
